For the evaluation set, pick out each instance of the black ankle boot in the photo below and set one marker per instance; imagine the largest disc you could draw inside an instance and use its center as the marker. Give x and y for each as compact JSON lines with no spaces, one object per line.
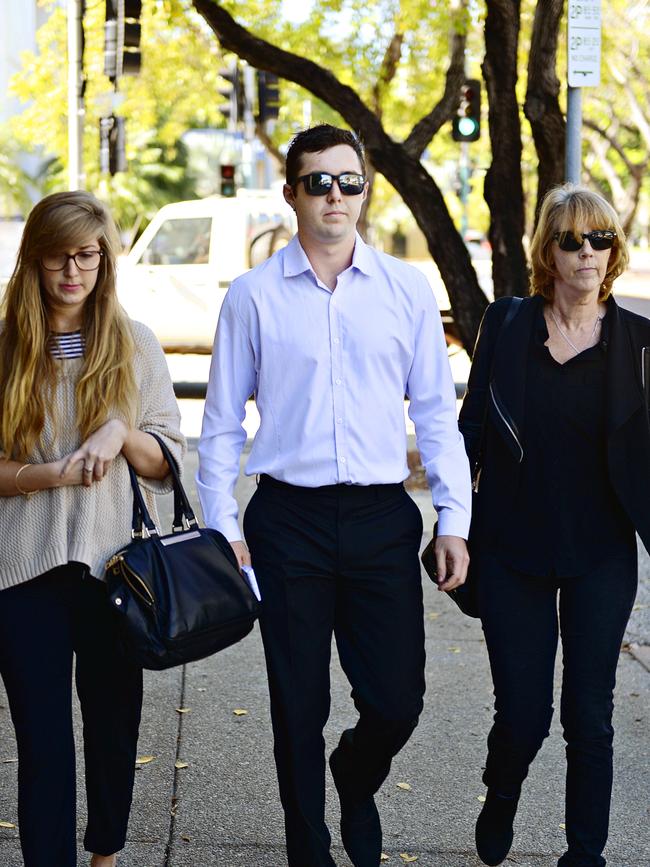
{"x":360,"y":824}
{"x":494,"y":827}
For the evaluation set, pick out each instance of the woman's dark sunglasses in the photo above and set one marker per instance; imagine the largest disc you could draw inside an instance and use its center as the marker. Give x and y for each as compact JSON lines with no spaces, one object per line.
{"x":600,"y":239}
{"x":320,"y":183}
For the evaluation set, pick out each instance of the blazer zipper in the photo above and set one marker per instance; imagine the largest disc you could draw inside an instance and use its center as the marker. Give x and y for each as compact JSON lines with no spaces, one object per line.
{"x":508,"y":423}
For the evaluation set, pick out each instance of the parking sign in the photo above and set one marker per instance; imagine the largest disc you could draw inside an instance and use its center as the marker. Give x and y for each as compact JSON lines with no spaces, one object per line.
{"x":583,"y":48}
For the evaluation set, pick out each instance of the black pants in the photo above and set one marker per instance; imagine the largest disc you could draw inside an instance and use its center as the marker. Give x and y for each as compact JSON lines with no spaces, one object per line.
{"x":339,"y":559}
{"x":520,"y":622}
{"x":42,"y":623}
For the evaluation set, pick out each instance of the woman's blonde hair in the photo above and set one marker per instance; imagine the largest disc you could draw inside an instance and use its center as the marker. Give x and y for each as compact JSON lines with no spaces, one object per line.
{"x":28,"y":371}
{"x":573,"y":208}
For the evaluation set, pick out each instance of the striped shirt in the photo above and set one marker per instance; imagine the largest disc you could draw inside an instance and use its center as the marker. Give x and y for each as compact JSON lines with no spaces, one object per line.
{"x":69,"y":345}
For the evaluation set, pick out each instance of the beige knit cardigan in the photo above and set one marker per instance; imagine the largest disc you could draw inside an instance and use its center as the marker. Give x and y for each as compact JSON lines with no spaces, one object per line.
{"x":75,"y":523}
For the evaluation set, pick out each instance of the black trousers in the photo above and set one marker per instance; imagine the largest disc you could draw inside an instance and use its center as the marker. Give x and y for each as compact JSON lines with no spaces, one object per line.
{"x":339,"y":560}
{"x":43,"y":622}
{"x":520,"y":622}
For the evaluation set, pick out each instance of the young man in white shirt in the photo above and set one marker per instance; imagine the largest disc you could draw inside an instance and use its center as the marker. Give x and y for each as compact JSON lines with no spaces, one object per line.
{"x":330,"y":335}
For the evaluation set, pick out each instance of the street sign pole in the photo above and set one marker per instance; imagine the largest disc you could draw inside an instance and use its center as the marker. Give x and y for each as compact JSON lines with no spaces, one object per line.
{"x":583,"y":52}
{"x":573,"y":148}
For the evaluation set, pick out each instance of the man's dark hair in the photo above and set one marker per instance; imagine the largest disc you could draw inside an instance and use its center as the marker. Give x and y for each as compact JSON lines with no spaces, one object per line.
{"x":316,"y":139}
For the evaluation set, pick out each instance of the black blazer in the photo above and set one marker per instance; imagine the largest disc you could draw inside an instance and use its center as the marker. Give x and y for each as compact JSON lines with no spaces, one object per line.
{"x":497,"y":382}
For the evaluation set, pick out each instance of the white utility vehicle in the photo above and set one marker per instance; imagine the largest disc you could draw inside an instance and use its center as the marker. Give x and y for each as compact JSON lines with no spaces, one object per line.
{"x":175,"y":277}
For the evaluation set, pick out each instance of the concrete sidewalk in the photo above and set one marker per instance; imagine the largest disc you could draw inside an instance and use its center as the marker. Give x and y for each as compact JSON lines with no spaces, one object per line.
{"x":209,"y":795}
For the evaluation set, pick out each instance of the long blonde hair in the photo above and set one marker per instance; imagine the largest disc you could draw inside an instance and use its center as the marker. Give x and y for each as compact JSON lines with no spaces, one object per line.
{"x":572,"y":207}
{"x":28,"y":372}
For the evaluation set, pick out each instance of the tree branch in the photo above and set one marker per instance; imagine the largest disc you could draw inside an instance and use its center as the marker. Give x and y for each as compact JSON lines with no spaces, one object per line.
{"x":542,"y":107}
{"x":389,"y":64}
{"x":613,"y":143}
{"x":263,"y":55}
{"x":425,"y":129}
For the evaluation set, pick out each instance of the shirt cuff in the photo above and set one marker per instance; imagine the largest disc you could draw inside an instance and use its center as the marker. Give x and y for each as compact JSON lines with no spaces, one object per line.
{"x":453,"y":524}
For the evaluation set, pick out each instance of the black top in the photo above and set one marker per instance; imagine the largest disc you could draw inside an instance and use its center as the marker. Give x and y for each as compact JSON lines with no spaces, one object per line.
{"x":566,"y":517}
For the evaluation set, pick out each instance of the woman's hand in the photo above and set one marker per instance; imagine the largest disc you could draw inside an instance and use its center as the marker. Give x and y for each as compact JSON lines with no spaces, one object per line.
{"x":241,"y":553}
{"x":95,"y":454}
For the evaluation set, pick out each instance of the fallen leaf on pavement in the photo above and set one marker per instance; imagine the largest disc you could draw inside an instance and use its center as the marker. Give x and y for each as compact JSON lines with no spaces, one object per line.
{"x":185,"y":838}
{"x":183,"y":710}
{"x":9,"y":761}
{"x":180,"y":765}
{"x":433,"y":615}
{"x":408,"y":859}
{"x":405,"y":786}
{"x":239,"y":711}
{"x":454,"y":649}
{"x":481,"y":798}
{"x":144,"y":760}
{"x":384,"y":857}
{"x":563,"y":826}
{"x":7,"y":825}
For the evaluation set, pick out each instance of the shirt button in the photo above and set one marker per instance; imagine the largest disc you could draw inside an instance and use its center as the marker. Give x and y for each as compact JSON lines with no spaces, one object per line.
{"x":343,"y":460}
{"x":339,"y":421}
{"x":336,"y":340}
{"x":338,"y":381}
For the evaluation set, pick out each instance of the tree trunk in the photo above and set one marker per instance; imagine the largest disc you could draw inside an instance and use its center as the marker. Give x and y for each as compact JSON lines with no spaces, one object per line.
{"x":503,"y":185}
{"x":542,"y":106}
{"x":404,"y":171}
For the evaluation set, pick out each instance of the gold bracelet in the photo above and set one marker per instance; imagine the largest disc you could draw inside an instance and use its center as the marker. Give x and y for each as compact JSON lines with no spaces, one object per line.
{"x":18,"y":488}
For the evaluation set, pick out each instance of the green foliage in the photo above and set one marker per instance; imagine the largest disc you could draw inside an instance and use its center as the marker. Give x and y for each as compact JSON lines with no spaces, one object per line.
{"x":176,"y":90}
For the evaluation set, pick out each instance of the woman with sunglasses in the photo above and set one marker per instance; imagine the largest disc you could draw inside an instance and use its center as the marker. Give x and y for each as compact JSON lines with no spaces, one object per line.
{"x":81,"y":387}
{"x":556,"y":420}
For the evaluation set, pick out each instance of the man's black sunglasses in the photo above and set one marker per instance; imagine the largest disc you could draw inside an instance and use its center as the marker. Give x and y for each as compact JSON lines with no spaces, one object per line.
{"x":320,"y":183}
{"x":600,"y":239}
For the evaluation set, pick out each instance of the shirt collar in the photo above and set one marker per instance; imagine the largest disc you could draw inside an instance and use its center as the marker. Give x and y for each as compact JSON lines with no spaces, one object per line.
{"x":296,"y":261}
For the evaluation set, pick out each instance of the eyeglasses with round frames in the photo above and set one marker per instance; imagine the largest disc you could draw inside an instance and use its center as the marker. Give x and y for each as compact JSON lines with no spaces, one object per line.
{"x":600,"y":239}
{"x":320,"y":183}
{"x":85,"y":260}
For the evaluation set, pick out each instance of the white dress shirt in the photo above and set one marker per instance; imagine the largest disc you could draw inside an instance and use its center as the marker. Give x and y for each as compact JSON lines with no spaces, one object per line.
{"x":330,"y":370}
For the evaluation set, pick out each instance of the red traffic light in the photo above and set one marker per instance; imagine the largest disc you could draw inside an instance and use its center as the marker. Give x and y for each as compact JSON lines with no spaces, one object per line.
{"x":227,"y":172}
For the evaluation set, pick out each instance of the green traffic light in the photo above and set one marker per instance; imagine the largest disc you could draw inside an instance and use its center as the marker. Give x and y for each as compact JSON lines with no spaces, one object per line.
{"x":467,"y":126}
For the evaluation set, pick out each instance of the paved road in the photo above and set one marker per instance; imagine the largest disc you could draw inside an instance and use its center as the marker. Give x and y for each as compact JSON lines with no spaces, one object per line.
{"x":222,"y":809}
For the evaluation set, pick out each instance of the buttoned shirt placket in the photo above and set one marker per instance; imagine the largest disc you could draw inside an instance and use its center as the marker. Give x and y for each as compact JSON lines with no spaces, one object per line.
{"x":338,"y":383}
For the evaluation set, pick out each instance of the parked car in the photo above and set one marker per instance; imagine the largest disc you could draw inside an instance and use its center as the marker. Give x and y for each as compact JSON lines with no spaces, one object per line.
{"x":177,"y":273}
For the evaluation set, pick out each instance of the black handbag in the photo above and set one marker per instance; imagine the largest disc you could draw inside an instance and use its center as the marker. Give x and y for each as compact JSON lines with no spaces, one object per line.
{"x":466,"y":595}
{"x":180,"y":597}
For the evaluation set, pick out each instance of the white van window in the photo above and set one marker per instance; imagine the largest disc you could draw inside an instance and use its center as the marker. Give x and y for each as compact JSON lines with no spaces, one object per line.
{"x":180,"y":242}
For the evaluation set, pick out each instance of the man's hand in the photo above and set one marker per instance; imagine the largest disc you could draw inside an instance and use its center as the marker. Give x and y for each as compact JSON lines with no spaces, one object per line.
{"x":241,"y":553}
{"x":452,"y":560}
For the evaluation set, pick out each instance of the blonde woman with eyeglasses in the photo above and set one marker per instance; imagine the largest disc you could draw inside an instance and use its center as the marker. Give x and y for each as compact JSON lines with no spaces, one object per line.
{"x":81,"y":389}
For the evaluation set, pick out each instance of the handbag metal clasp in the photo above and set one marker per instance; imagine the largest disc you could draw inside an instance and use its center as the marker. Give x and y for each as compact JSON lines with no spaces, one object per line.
{"x":185,"y":525}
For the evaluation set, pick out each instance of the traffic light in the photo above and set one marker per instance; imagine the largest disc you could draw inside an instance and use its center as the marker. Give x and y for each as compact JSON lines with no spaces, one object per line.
{"x":228,"y":180}
{"x":131,"y":54}
{"x":112,"y":145}
{"x":122,"y":31}
{"x":466,"y":125}
{"x":268,"y":96}
{"x":233,"y":109}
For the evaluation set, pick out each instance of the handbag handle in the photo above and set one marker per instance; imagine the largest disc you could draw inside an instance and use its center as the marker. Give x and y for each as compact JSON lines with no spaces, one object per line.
{"x":184,"y":517}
